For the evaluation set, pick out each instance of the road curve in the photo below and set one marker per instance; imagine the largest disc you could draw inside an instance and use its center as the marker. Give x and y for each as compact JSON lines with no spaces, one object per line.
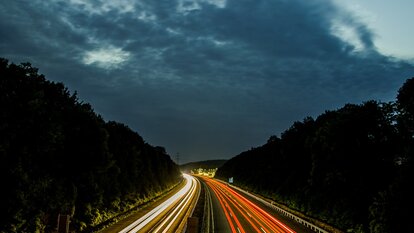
{"x":170,"y":215}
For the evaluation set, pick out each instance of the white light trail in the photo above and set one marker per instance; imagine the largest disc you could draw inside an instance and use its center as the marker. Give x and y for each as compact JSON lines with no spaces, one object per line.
{"x":144,"y":220}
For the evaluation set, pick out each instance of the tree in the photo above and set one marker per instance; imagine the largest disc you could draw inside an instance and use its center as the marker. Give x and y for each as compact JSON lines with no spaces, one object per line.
{"x":340,"y":167}
{"x":57,"y":156}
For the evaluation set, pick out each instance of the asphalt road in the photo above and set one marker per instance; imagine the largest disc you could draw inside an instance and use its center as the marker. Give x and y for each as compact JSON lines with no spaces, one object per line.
{"x":295,"y":226}
{"x":230,"y":211}
{"x":235,"y":212}
{"x":219,"y":221}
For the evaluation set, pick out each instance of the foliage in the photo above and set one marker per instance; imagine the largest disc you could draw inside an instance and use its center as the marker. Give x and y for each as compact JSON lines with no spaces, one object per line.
{"x":351,"y":167}
{"x":208,"y":164}
{"x":57,"y":156}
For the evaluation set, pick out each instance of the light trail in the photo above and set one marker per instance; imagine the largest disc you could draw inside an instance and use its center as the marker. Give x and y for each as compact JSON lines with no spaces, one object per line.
{"x":254,"y":218}
{"x":169,"y":211}
{"x":279,"y":223}
{"x":177,"y":211}
{"x":240,"y":209}
{"x":233,"y":217}
{"x":224,"y":206}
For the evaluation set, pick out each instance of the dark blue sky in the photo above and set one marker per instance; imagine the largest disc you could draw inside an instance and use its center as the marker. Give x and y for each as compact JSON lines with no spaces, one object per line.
{"x":204,"y":78}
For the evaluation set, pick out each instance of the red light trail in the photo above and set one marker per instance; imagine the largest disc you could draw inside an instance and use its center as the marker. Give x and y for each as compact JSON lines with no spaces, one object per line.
{"x":242,"y":214}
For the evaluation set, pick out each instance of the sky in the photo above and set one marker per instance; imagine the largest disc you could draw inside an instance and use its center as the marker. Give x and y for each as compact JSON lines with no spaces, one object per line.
{"x":208,"y":79}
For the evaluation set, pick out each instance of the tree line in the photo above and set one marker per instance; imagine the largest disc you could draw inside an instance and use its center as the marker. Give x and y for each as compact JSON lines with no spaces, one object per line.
{"x":351,"y":167}
{"x":57,"y":156}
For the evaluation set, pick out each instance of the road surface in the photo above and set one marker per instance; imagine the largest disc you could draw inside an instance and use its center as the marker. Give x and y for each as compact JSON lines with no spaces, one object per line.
{"x":237,"y":213}
{"x":215,"y":220}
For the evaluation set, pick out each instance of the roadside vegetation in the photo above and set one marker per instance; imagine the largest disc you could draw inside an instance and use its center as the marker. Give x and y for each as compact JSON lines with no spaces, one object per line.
{"x":57,"y":156}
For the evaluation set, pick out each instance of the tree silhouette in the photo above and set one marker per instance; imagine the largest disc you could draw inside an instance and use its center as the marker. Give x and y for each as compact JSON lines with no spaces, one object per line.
{"x":350,"y":167}
{"x":57,"y":156}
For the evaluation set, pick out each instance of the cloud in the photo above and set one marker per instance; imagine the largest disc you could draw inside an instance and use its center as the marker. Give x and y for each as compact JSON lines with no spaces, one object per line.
{"x":348,"y":34}
{"x":186,"y":6}
{"x":108,"y":57}
{"x":203,"y":77}
{"x":104,"y":6}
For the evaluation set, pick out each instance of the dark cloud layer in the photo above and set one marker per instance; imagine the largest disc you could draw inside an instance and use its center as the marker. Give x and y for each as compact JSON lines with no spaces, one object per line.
{"x":204,"y":78}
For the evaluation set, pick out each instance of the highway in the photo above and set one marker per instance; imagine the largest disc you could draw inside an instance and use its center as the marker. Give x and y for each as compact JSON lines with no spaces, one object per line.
{"x":237,"y":213}
{"x":225,"y":210}
{"x":171,"y":215}
{"x":214,"y":217}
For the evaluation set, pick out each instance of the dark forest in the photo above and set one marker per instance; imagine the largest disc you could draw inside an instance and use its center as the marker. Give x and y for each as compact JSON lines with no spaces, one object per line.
{"x":57,"y":156}
{"x":351,"y":167}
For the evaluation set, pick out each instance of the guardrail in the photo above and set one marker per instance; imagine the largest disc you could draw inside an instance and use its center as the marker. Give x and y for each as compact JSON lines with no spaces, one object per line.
{"x":284,"y":212}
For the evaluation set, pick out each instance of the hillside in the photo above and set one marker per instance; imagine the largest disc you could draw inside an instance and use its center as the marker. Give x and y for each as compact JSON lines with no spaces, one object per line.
{"x":207,"y":164}
{"x":351,"y":167}
{"x":57,"y":156}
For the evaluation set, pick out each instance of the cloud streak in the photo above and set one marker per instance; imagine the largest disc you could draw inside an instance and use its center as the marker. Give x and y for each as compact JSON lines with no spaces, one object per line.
{"x":205,"y":78}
